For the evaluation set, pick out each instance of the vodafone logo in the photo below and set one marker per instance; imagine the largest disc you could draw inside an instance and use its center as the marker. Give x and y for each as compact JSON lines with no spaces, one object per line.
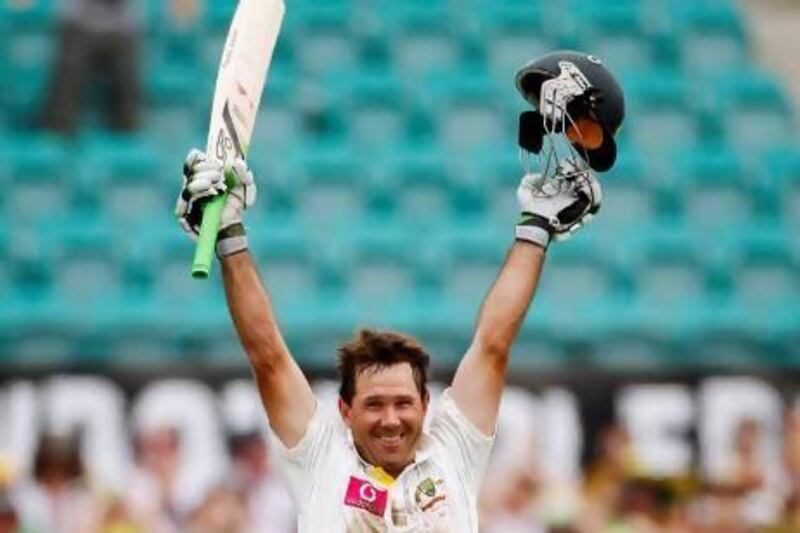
{"x":362,"y":494}
{"x":368,"y":493}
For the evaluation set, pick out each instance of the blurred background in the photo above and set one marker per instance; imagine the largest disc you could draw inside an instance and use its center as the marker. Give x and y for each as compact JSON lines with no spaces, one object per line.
{"x":655,"y":381}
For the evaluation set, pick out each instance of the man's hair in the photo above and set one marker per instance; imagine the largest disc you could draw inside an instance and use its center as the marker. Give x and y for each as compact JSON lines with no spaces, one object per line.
{"x":374,"y":350}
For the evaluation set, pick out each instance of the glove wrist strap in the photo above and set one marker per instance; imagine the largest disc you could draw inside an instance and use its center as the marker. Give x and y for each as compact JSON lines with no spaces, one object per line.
{"x":534,"y":229}
{"x":231,"y":240}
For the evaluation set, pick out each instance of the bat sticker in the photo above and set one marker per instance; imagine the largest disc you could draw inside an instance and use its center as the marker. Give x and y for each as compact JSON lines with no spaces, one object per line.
{"x":226,"y":117}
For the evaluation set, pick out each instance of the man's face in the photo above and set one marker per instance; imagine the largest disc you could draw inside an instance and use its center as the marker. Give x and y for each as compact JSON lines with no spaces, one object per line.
{"x":386,"y":416}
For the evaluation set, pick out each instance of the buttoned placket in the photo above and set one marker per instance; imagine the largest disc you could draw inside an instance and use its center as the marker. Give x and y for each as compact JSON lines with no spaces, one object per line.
{"x":400,"y":498}
{"x":398,"y":490}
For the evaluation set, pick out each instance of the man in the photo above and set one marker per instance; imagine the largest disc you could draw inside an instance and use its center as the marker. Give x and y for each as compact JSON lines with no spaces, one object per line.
{"x":99,"y":39}
{"x":378,"y":470}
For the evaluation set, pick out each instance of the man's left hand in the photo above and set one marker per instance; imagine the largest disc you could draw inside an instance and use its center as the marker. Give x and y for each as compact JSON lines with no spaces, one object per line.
{"x":557,"y":208}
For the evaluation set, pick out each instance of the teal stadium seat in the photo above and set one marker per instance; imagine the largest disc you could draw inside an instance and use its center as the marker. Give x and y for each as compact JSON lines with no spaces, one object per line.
{"x":765,"y":272}
{"x":468,"y":110}
{"x":765,"y":286}
{"x":375,"y":103}
{"x":88,"y":294}
{"x":713,"y":36}
{"x":176,"y":70}
{"x":422,"y":36}
{"x":672,"y":283}
{"x":289,"y":264}
{"x":120,"y":176}
{"x":658,"y":22}
{"x":173,"y":290}
{"x":492,"y":176}
{"x":658,"y":100}
{"x":136,"y":259}
{"x":327,"y":177}
{"x":380,"y":271}
{"x":215,"y":22}
{"x":321,"y":117}
{"x":175,"y":31}
{"x":176,"y":111}
{"x":24,"y":280}
{"x":216,"y":19}
{"x":217,"y":15}
{"x":34,"y":13}
{"x":584,"y":288}
{"x":513,"y":32}
{"x":471,"y":268}
{"x":177,"y":74}
{"x":727,"y":350}
{"x":7,"y":285}
{"x":616,"y":34}
{"x":39,"y":177}
{"x":783,"y":178}
{"x":636,"y":352}
{"x":629,"y":197}
{"x":373,"y":46}
{"x":537,"y":350}
{"x":717,"y":193}
{"x":319,"y":36}
{"x":28,"y":267}
{"x":278,"y":196}
{"x":27,"y":58}
{"x":419,"y":183}
{"x":753,"y":111}
{"x":280,"y":118}
{"x":87,"y":272}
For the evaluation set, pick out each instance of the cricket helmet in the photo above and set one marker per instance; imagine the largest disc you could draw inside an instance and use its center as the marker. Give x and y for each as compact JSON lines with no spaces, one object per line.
{"x":566,"y":86}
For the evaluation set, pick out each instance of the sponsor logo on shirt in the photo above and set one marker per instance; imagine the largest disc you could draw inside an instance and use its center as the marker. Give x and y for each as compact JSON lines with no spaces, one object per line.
{"x":364,"y":495}
{"x":428,"y":493}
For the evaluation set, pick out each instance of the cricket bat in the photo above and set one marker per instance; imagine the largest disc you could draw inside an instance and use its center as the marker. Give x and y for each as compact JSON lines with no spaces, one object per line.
{"x":240,"y":82}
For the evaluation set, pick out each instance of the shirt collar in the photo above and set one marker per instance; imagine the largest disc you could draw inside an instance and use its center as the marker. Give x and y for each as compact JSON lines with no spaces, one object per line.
{"x":423,"y":454}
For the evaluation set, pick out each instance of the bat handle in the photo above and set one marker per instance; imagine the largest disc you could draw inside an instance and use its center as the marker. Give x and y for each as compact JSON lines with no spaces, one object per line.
{"x":207,"y":240}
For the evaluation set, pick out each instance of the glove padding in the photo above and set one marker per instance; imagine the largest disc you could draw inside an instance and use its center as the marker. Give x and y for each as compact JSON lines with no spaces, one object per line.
{"x":204,"y":179}
{"x":557,"y":208}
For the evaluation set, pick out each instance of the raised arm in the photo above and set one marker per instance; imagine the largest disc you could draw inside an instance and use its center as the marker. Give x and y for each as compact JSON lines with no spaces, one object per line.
{"x":284,"y":390}
{"x":481,"y":376}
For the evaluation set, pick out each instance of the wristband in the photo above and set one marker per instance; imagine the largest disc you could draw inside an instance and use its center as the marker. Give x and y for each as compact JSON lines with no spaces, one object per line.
{"x":534,"y":229}
{"x":231,"y":240}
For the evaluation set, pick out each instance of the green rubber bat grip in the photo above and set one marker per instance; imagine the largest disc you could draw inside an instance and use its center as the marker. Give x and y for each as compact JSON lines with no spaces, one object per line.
{"x":207,"y":240}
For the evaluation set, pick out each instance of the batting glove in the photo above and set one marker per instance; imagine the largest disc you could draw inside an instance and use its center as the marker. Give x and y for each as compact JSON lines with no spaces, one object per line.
{"x":203,"y":179}
{"x":554,"y":209}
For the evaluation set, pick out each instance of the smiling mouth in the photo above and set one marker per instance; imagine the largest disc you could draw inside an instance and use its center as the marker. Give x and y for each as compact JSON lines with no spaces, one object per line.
{"x":392,"y":441}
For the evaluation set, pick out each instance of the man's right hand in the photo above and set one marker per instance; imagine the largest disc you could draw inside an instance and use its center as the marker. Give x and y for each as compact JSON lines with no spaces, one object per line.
{"x":204,"y":179}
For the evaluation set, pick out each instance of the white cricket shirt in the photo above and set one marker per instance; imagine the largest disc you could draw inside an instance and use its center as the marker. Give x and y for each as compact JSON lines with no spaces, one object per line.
{"x":336,"y":491}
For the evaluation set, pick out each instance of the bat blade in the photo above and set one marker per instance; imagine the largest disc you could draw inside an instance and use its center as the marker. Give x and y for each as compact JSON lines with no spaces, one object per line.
{"x":240,"y":82}
{"x":242,"y":74}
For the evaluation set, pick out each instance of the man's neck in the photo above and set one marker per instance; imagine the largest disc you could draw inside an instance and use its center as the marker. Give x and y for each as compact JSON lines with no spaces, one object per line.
{"x":379,"y":471}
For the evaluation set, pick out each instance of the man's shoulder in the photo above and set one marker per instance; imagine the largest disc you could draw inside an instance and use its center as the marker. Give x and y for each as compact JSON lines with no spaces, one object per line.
{"x":325,"y":429}
{"x":450,"y":426}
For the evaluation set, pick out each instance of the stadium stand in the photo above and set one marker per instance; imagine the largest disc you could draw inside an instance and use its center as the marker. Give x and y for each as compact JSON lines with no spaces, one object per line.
{"x":387,"y":166}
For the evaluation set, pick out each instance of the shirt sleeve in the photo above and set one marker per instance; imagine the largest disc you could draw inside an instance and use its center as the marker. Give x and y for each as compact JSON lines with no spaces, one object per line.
{"x":464,"y":444}
{"x":304,"y":463}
